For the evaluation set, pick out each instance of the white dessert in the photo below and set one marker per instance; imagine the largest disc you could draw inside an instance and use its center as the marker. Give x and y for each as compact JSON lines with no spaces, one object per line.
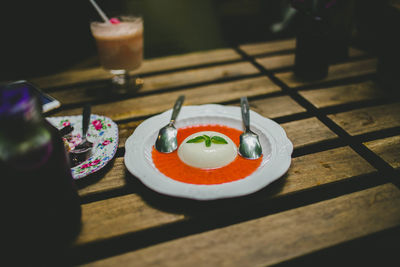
{"x":215,"y":155}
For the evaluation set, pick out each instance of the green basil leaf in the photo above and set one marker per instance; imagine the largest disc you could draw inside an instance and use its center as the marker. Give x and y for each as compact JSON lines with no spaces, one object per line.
{"x":197,"y":139}
{"x":218,"y":140}
{"x":208,"y":140}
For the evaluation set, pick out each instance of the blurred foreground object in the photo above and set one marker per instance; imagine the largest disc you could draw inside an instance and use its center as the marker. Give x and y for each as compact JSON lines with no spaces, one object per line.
{"x":323,"y":35}
{"x":388,"y":48}
{"x":40,"y":205}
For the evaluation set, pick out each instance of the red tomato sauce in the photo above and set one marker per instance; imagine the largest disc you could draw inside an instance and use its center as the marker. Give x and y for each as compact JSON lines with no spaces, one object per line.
{"x":171,"y":166}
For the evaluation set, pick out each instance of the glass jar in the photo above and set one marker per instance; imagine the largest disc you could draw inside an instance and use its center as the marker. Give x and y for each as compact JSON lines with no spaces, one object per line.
{"x":40,"y":203}
{"x":311,"y":54}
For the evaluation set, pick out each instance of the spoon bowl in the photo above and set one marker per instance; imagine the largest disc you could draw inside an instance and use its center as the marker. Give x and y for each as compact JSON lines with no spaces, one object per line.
{"x":249,"y":147}
{"x":166,"y":140}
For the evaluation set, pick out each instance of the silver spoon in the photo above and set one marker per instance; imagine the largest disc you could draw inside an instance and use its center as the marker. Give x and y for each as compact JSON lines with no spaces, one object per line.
{"x":166,"y":140}
{"x":249,"y":147}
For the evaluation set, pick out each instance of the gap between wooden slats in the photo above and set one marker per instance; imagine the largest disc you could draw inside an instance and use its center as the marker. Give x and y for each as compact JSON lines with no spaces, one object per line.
{"x":336,"y":72}
{"x":272,"y":107}
{"x":278,"y":237}
{"x":268,"y":47}
{"x":274,"y":63}
{"x":257,"y":49}
{"x":344,"y":94}
{"x":148,"y":105}
{"x":301,"y":133}
{"x":219,"y":92}
{"x":102,"y":91}
{"x":150,"y":65}
{"x":129,"y":213}
{"x":388,"y":149}
{"x":368,"y":119}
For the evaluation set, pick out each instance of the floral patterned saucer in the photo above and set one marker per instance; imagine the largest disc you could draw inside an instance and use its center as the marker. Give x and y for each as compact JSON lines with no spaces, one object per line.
{"x":103,"y":133}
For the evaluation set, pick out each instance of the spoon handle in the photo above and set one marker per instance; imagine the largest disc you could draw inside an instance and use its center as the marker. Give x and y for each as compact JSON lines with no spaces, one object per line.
{"x":244,"y":104}
{"x":177,"y":108}
{"x":85,"y":119}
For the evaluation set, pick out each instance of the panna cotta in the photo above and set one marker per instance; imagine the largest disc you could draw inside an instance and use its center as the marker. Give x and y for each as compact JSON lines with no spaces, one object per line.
{"x":207,"y":150}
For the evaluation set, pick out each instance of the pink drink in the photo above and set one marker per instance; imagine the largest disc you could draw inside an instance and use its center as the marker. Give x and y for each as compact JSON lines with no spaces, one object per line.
{"x":120,"y":46}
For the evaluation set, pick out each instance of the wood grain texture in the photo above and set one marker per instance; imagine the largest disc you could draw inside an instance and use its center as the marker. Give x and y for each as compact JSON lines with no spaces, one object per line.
{"x":272,"y":107}
{"x":126,"y":130}
{"x":120,"y":215}
{"x":368,"y":119}
{"x":343,"y":94}
{"x":275,"y":107}
{"x":268,"y":47}
{"x":112,"y":180}
{"x":388,"y":149}
{"x":276,"y":62}
{"x":150,"y":65}
{"x":278,"y":237}
{"x":117,"y":216}
{"x":152,"y":104}
{"x":287,"y":61}
{"x":301,"y":133}
{"x":307,"y":132}
{"x":324,"y":167}
{"x":118,"y":209}
{"x":161,"y":82}
{"x":336,"y":72}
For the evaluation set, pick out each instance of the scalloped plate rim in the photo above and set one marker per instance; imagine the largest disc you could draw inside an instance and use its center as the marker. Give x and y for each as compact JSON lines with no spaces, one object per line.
{"x":113,"y":131}
{"x":152,"y":178}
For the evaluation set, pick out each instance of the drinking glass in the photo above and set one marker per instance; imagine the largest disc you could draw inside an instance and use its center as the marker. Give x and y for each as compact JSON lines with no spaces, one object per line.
{"x":120,"y":48}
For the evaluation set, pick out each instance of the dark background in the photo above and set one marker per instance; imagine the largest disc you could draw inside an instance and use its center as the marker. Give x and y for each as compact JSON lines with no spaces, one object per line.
{"x":42,"y":37}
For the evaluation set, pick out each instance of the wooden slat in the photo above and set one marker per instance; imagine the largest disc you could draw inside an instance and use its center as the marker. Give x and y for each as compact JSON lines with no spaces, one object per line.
{"x":275,"y":107}
{"x":278,"y":237}
{"x":268,"y":47}
{"x":304,"y":132}
{"x":336,"y":72}
{"x":301,"y":133}
{"x":388,"y":149}
{"x":276,"y":62}
{"x":324,"y":167}
{"x":113,"y":179}
{"x":120,"y":215}
{"x":287,"y":61}
{"x":307,"y":132}
{"x":257,"y":49}
{"x":86,"y":93}
{"x":149,"y":65}
{"x":149,"y":105}
{"x":354,"y":52}
{"x":271,"y":107}
{"x":368,"y":119}
{"x":343,"y":94}
{"x":115,"y":216}
{"x":125,"y":130}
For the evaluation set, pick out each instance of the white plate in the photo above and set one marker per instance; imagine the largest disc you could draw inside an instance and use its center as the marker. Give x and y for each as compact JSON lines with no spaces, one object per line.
{"x":102,"y":132}
{"x":277,"y":150}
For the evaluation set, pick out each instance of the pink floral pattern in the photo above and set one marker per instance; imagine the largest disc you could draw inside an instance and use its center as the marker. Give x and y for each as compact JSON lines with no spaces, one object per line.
{"x":103,"y":132}
{"x":100,"y":124}
{"x":97,"y":125}
{"x":106,"y":142}
{"x":90,"y":163}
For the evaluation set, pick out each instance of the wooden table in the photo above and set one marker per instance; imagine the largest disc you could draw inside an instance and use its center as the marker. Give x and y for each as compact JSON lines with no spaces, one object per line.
{"x":339,"y":200}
